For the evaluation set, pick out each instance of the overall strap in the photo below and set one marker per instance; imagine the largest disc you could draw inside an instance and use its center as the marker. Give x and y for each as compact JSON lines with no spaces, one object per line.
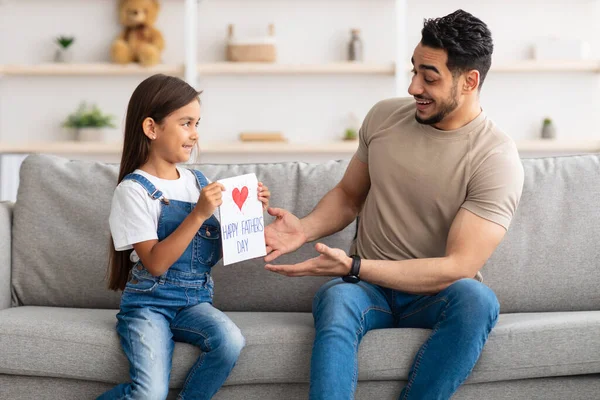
{"x":200,"y":178}
{"x":153,"y":192}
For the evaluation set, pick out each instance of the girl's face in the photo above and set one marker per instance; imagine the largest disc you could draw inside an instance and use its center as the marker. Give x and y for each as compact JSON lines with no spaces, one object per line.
{"x":176,"y":136}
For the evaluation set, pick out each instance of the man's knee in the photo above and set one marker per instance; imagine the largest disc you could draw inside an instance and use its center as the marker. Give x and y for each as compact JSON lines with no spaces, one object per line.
{"x":335,"y":302}
{"x":334,"y":293}
{"x":473,"y":299}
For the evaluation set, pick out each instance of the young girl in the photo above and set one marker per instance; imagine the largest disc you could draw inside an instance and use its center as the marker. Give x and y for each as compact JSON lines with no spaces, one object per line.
{"x":165,"y":212}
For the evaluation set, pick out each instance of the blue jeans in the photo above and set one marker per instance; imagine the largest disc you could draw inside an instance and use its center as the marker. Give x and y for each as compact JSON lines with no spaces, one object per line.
{"x":461,"y":317}
{"x":155,"y":312}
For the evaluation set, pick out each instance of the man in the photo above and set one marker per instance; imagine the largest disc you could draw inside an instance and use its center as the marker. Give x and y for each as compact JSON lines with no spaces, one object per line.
{"x":436,"y":184}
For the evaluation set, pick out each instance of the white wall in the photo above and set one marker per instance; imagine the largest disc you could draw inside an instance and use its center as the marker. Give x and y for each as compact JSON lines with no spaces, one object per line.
{"x":309,"y":31}
{"x":302,"y":107}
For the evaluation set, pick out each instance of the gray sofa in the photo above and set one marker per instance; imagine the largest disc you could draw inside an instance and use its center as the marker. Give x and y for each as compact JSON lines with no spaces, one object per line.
{"x":57,"y":336}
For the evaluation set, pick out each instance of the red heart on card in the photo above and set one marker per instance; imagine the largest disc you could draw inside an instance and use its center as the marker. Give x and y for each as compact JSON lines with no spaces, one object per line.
{"x":239,"y":198}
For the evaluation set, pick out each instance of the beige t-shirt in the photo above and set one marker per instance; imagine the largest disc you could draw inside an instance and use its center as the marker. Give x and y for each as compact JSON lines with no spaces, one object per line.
{"x":422,"y":176}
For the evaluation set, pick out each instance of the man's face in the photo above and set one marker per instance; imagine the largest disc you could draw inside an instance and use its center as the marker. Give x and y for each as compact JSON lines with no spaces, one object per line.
{"x":433,"y":86}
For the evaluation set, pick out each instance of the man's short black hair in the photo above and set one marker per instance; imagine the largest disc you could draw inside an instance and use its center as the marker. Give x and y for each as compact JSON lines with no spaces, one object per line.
{"x":466,"y":39}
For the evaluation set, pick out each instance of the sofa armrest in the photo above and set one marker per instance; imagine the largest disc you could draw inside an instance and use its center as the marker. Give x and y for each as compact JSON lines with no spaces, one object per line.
{"x":6,"y":209}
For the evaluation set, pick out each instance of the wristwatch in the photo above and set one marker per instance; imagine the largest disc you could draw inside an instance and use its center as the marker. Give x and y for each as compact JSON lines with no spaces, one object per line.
{"x":352,"y":276}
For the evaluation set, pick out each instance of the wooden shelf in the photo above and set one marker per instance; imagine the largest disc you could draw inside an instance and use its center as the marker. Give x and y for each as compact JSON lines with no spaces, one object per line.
{"x":59,"y":69}
{"x":591,"y":66}
{"x":230,"y":68}
{"x":82,"y":148}
{"x":340,"y":147}
{"x":343,"y":68}
{"x":224,"y":68}
{"x":528,"y":66}
{"x":559,"y":146}
{"x":92,"y":148}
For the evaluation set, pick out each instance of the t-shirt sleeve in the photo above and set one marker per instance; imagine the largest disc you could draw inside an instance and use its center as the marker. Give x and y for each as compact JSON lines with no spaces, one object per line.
{"x":362,"y":153}
{"x":495,"y":188}
{"x":130,"y":218}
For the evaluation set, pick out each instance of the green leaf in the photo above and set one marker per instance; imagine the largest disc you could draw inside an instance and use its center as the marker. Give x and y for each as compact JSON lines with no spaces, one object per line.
{"x":88,"y":117}
{"x":350,"y":133}
{"x":65,"y":41}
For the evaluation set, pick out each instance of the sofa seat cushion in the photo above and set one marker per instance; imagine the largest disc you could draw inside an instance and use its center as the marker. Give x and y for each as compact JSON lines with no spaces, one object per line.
{"x":82,"y":344}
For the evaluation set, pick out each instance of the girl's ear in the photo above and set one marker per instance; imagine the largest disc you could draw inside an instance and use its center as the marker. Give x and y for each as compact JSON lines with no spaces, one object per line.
{"x":149,"y":127}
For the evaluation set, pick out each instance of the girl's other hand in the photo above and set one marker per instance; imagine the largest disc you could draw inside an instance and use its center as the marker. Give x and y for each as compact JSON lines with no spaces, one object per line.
{"x":263,"y":195}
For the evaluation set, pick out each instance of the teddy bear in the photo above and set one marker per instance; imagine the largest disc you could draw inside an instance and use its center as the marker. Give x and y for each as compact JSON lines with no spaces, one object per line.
{"x":139,"y":41}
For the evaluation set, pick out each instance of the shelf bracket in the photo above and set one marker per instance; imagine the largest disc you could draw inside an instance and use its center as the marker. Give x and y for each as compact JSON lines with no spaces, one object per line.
{"x":191,"y":42}
{"x":401,"y":53}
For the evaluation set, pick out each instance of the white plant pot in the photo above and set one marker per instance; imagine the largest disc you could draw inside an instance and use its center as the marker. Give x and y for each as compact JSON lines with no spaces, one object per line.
{"x":90,"y":134}
{"x":63,"y":55}
{"x":112,"y":135}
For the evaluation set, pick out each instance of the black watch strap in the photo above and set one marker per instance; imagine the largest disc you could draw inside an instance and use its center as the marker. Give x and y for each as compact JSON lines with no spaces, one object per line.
{"x":353,"y":277}
{"x":355,"y":269}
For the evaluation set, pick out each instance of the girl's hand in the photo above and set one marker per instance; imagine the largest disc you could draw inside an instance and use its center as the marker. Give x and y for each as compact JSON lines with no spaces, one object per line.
{"x":211,"y":197}
{"x":263,"y":195}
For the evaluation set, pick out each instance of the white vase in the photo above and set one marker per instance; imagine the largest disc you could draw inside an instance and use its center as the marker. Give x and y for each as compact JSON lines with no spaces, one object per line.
{"x":63,"y":55}
{"x":90,"y":134}
{"x":112,"y":135}
{"x":548,"y":131}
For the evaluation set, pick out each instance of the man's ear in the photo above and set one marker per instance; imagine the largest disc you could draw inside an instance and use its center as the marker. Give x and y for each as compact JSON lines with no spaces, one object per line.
{"x":471,"y":81}
{"x":149,"y":127}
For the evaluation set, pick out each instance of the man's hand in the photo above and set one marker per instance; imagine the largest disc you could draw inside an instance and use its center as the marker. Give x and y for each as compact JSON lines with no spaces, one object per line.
{"x":331,"y":262}
{"x":284,"y":235}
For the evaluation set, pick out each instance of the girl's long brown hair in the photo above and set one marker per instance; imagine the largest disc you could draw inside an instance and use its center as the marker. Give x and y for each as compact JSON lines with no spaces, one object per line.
{"x":156,"y":97}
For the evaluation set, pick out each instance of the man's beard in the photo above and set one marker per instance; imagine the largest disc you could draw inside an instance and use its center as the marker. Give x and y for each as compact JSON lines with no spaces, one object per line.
{"x":446,"y":108}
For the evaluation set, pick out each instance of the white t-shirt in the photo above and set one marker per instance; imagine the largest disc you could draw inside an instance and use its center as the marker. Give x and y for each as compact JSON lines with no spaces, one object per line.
{"x":134,"y":214}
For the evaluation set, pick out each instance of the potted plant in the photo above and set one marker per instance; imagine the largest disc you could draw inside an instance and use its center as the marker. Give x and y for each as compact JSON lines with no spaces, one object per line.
{"x":350,"y":134}
{"x":548,"y":130}
{"x":351,"y":124}
{"x":89,"y":123}
{"x":63,"y":53}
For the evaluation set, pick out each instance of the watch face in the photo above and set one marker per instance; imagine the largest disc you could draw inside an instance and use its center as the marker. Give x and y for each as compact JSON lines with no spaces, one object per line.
{"x":350,"y":279}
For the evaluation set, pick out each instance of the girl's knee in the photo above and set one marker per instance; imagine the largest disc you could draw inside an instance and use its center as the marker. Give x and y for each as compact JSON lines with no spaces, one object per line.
{"x":154,"y":388}
{"x":235,"y":340}
{"x":229,"y":340}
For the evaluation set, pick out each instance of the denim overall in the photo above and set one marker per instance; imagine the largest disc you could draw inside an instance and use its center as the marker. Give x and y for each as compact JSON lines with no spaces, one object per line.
{"x":176,"y":306}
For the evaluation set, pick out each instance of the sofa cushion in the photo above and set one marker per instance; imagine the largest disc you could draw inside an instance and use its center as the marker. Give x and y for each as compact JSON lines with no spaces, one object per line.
{"x":548,"y":261}
{"x":550,"y":257}
{"x":61,"y":235}
{"x":83,"y":344}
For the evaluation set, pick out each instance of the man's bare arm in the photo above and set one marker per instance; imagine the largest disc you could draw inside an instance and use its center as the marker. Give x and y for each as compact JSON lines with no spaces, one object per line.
{"x":471,"y":241}
{"x":340,"y":206}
